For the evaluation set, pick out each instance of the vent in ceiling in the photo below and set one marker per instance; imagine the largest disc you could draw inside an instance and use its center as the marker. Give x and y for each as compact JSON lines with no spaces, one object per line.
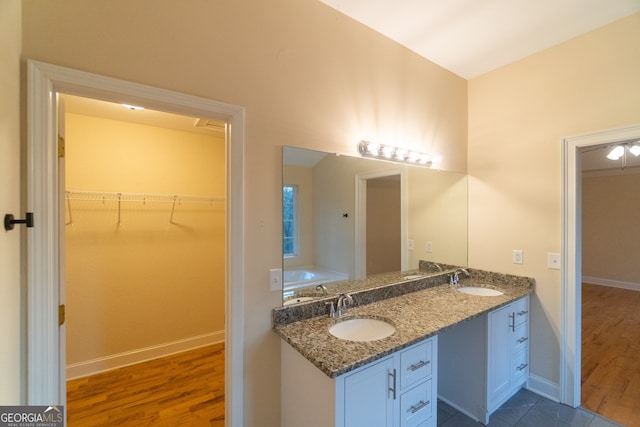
{"x":213,"y":125}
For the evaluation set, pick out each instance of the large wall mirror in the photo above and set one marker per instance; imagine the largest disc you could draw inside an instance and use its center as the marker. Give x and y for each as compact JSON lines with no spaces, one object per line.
{"x":347,"y":218}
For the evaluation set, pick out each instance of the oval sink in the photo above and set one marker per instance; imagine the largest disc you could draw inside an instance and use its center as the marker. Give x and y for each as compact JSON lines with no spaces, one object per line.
{"x":479,"y":291}
{"x":362,"y":329}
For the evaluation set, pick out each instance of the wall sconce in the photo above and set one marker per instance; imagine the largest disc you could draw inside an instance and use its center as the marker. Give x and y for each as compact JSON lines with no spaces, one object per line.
{"x":396,"y":154}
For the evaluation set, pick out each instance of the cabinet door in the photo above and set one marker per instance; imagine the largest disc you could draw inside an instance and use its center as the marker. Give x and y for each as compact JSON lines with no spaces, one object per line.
{"x":369,"y":396}
{"x":499,"y":354}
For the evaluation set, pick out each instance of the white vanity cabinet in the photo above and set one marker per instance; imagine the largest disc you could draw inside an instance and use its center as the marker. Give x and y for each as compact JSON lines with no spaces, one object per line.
{"x":398,"y":390}
{"x":485,"y":361}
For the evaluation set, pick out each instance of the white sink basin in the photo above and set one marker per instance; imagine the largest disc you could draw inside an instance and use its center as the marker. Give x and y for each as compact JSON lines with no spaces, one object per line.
{"x":479,"y":291}
{"x":362,"y":329}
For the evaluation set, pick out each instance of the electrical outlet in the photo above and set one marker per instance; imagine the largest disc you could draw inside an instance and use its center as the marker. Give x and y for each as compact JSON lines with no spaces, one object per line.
{"x":275,"y":279}
{"x":429,"y":247}
{"x":517,"y":256}
{"x":410,"y":244}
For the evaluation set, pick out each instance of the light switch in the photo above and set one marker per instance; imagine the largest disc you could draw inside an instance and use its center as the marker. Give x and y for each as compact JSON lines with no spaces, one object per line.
{"x":275,"y":279}
{"x":553,"y":260}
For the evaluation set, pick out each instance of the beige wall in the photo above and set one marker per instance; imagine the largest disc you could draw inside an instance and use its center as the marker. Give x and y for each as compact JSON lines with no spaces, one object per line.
{"x":437,"y":214}
{"x":610,"y":230}
{"x":142,"y":282}
{"x":517,"y":117}
{"x":307,"y":76}
{"x":10,"y":301}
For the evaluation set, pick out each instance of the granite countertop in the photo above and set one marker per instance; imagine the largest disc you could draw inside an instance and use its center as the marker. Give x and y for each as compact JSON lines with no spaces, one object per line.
{"x":415,"y":315}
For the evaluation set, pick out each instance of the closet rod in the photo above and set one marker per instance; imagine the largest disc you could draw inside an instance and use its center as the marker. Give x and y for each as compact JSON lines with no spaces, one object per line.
{"x":141,"y":197}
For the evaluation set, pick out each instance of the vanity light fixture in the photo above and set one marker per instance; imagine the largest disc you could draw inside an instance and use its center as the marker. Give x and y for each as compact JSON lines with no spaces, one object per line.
{"x":635,"y":149}
{"x":397,"y":154}
{"x":619,"y":150}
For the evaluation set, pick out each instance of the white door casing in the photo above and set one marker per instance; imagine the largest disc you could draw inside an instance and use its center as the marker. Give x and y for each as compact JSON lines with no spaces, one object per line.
{"x":571,"y":313}
{"x":45,"y":377}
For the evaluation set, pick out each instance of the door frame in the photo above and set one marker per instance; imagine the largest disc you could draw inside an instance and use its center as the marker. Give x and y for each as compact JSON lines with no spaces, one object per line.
{"x":44,"y":380}
{"x":571,"y":302}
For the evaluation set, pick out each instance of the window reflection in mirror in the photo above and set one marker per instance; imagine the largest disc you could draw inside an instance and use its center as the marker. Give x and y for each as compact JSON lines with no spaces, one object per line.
{"x":329,"y":218}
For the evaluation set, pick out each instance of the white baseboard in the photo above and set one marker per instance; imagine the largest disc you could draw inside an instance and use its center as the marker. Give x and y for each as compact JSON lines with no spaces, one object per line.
{"x":611,"y":283}
{"x":544,"y":387}
{"x":106,"y":363}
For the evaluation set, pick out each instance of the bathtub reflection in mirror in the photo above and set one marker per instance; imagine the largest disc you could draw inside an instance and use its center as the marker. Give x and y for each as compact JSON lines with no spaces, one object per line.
{"x":348,"y":218}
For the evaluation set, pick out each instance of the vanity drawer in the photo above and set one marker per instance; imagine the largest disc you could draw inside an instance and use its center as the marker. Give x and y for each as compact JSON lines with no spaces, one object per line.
{"x":417,"y":405}
{"x":520,"y":310}
{"x":519,"y":365}
{"x":520,"y":338}
{"x":416,"y":363}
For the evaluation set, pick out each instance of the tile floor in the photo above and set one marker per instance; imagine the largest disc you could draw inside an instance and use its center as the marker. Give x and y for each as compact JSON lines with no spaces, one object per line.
{"x":526,"y":409}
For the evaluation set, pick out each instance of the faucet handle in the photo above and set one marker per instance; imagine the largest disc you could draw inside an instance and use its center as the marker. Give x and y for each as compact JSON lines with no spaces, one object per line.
{"x":332,"y":309}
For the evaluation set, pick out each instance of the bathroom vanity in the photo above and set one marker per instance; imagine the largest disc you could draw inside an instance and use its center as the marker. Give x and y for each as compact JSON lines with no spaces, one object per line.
{"x":397,"y":390}
{"x":394,"y":381}
{"x":485,"y":361}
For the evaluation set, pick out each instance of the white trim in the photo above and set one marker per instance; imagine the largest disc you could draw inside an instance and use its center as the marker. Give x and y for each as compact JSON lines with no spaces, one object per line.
{"x":611,"y":283}
{"x":127,"y":358}
{"x":361,"y":217}
{"x":544,"y":387}
{"x":570,"y":321}
{"x":44,"y":81}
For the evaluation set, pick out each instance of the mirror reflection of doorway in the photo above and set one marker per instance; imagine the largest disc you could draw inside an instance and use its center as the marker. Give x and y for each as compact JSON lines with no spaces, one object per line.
{"x":383,"y":230}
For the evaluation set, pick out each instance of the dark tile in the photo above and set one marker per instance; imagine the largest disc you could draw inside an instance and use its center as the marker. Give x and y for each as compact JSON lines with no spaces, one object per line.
{"x":523,"y":398}
{"x":570,"y":416}
{"x":535,"y":418}
{"x":460,"y":420}
{"x":509,"y":415}
{"x":598,"y":421}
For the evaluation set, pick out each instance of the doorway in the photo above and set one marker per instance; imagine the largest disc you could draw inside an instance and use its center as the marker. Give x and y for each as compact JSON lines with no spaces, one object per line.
{"x":383,"y":225}
{"x":571,"y":295}
{"x":45,"y":373}
{"x":395,"y":178}
{"x":144,"y":246}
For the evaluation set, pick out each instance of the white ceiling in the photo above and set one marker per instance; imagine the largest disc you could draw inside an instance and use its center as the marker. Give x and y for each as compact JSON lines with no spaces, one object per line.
{"x":473,"y":37}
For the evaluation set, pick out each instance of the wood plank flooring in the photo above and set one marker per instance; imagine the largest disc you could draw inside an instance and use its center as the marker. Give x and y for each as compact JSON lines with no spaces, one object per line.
{"x":186,"y":389}
{"x":611,"y":353}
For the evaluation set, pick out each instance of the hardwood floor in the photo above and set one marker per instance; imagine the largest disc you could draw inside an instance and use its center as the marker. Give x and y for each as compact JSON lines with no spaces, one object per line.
{"x":185,"y":389}
{"x":611,"y":353}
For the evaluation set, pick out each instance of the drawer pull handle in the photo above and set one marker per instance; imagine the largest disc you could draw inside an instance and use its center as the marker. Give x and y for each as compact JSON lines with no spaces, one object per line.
{"x":415,"y":408}
{"x":523,"y":312}
{"x":522,"y":366}
{"x":392,"y":386}
{"x":418,"y":365}
{"x":523,"y":339}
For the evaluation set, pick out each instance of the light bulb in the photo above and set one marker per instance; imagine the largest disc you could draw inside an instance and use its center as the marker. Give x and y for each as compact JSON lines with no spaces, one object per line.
{"x":616,"y":153}
{"x":635,"y":150}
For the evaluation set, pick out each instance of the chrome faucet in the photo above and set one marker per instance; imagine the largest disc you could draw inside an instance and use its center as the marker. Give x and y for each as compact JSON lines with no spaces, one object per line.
{"x":322,"y":288}
{"x":344,"y":300}
{"x":454,"y":278}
